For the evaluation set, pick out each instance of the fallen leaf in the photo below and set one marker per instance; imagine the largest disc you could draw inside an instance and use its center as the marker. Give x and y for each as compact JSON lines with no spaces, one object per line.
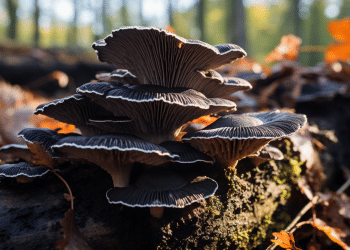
{"x":72,"y":237}
{"x":340,"y":31}
{"x":288,"y":49}
{"x":41,"y":155}
{"x":335,"y":234}
{"x":285,"y":240}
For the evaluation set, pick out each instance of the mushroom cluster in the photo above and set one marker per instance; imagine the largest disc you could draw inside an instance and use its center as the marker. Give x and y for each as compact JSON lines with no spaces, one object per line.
{"x":139,"y":112}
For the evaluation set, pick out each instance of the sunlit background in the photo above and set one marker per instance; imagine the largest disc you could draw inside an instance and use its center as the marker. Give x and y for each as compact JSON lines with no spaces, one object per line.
{"x":257,"y":26}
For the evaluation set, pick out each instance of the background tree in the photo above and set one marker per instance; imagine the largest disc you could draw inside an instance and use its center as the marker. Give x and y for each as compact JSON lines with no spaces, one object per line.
{"x":235,"y":23}
{"x":201,"y":19}
{"x":12,"y":7}
{"x":36,"y":37}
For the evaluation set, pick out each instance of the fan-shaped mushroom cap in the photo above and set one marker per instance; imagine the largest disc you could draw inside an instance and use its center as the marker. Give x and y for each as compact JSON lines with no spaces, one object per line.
{"x":11,"y":152}
{"x":268,"y":152}
{"x":22,"y":170}
{"x":157,"y":112}
{"x":234,"y":137}
{"x":159,"y":57}
{"x":114,"y":153}
{"x":186,"y":153}
{"x":75,"y":109}
{"x":161,"y":188}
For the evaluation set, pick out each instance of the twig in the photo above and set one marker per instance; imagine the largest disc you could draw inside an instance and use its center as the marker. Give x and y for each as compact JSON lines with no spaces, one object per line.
{"x":306,"y":208}
{"x":313,"y":48}
{"x":67,"y":186}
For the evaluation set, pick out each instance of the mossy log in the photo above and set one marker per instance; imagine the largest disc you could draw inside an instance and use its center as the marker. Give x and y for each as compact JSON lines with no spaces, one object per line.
{"x":238,"y":216}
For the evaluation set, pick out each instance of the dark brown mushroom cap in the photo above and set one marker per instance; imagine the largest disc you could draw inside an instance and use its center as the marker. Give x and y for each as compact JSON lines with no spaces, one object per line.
{"x":75,"y":109}
{"x":234,"y":137}
{"x":22,"y":169}
{"x":159,"y":57}
{"x":118,"y":75}
{"x":321,"y":90}
{"x":264,"y":125}
{"x":186,"y":153}
{"x":121,"y":148}
{"x":163,"y":189}
{"x":12,"y":152}
{"x":157,"y":112}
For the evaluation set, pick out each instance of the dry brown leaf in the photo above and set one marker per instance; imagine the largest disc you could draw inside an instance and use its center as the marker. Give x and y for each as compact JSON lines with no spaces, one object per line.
{"x":72,"y":237}
{"x":41,"y":156}
{"x":285,"y":240}
{"x":335,"y":234}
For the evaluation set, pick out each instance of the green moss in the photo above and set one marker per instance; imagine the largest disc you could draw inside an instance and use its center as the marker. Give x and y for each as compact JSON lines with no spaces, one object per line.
{"x":239,"y":215}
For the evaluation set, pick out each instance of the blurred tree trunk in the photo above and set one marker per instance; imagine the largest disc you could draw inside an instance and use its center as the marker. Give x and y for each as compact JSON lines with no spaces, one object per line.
{"x":36,"y":37}
{"x":201,"y":19}
{"x":235,"y":23}
{"x":170,"y":13}
{"x":141,"y":20}
{"x":318,"y":35}
{"x":73,"y":30}
{"x":105,"y":21}
{"x":12,"y":7}
{"x":294,"y":17}
{"x":344,"y":9}
{"x":125,"y":14}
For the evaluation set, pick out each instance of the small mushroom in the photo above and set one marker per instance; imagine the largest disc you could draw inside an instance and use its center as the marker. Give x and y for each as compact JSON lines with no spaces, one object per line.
{"x":158,"y":113}
{"x":267,"y":153}
{"x":77,"y":110}
{"x":44,"y":136}
{"x":159,"y":188}
{"x":118,"y":75}
{"x":234,"y":137}
{"x":186,"y":153}
{"x":114,"y":153}
{"x":22,"y":171}
{"x":13,"y":152}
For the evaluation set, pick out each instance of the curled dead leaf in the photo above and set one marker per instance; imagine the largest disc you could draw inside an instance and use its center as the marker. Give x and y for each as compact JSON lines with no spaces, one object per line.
{"x":72,"y":237}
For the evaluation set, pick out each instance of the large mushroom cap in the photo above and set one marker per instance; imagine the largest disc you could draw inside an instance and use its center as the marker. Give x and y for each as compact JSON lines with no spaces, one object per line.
{"x":163,"y":188}
{"x":75,"y":109}
{"x":234,"y":137}
{"x":157,"y":112}
{"x":162,"y":58}
{"x":114,"y":153}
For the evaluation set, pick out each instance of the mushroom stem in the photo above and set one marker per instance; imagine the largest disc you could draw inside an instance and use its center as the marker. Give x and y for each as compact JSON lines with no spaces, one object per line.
{"x":120,"y":172}
{"x":157,"y":212}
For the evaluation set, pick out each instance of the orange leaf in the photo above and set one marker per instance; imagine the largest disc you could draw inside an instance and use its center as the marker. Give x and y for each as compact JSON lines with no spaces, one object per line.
{"x":334,"y":234}
{"x":338,"y":52}
{"x":340,"y":30}
{"x":41,"y":156}
{"x":206,"y":120}
{"x":170,"y":29}
{"x":72,"y":237}
{"x":285,"y":240}
{"x":288,"y":49}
